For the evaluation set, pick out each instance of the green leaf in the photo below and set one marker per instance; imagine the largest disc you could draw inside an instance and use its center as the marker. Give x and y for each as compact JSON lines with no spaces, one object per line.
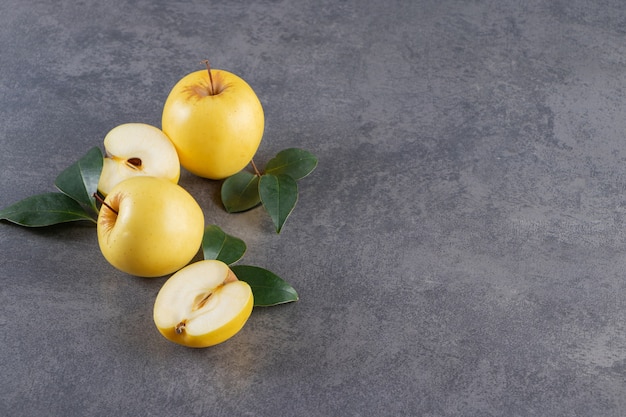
{"x":279,"y":194}
{"x":297,"y":163}
{"x":216,"y":244}
{"x":268,"y":288}
{"x":240,"y":192}
{"x":80,"y":180}
{"x":45,"y":210}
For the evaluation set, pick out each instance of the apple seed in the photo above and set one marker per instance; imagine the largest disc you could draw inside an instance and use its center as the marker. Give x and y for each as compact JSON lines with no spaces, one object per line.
{"x":199,"y":304}
{"x":134,"y":163}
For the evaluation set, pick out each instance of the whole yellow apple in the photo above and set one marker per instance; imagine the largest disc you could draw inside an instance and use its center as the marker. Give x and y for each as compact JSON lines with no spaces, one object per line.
{"x":149,"y":227}
{"x":202,"y":305}
{"x":135,"y":149}
{"x":215,"y":120}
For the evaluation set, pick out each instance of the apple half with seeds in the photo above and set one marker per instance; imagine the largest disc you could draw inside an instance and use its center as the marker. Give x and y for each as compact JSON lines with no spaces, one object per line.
{"x":202,"y":305}
{"x":137,"y":149}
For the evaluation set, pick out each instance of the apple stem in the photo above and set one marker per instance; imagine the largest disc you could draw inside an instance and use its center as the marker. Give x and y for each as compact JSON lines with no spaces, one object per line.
{"x":208,"y":68}
{"x":104,"y":203}
{"x":256,"y":170}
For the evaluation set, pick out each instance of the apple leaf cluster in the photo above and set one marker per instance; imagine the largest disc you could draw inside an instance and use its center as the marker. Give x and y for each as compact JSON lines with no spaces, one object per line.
{"x":268,"y":288}
{"x":276,"y":188}
{"x":74,"y":201}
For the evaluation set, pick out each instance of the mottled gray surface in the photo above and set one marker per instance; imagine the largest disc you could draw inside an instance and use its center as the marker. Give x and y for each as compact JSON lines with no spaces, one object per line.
{"x":459,"y":251}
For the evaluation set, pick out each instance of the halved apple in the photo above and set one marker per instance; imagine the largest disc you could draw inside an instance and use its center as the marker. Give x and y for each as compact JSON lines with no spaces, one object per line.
{"x":202,"y":305}
{"x":137,"y":149}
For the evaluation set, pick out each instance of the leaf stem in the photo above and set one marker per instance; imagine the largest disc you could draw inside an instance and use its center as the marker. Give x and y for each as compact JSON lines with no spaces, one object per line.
{"x":104,"y":203}
{"x":256,"y":170}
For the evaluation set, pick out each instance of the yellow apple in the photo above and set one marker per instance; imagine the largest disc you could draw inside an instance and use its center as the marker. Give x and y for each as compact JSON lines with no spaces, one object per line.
{"x":135,"y":149}
{"x":215,"y":121}
{"x":149,"y":227}
{"x":202,"y":305}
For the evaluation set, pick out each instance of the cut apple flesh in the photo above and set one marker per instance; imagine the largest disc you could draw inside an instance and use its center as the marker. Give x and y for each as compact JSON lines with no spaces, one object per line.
{"x":202,"y":305}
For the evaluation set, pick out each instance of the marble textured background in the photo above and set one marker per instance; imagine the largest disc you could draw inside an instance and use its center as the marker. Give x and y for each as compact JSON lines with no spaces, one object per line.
{"x":459,"y":251}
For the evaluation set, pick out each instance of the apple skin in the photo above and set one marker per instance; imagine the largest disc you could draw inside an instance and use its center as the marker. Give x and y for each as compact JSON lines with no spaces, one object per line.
{"x":216,"y":131}
{"x":134,"y":149}
{"x":208,"y":320}
{"x":158,"y":228}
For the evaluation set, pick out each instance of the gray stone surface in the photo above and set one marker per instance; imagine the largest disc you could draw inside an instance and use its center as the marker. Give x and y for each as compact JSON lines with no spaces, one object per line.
{"x":459,"y":251}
